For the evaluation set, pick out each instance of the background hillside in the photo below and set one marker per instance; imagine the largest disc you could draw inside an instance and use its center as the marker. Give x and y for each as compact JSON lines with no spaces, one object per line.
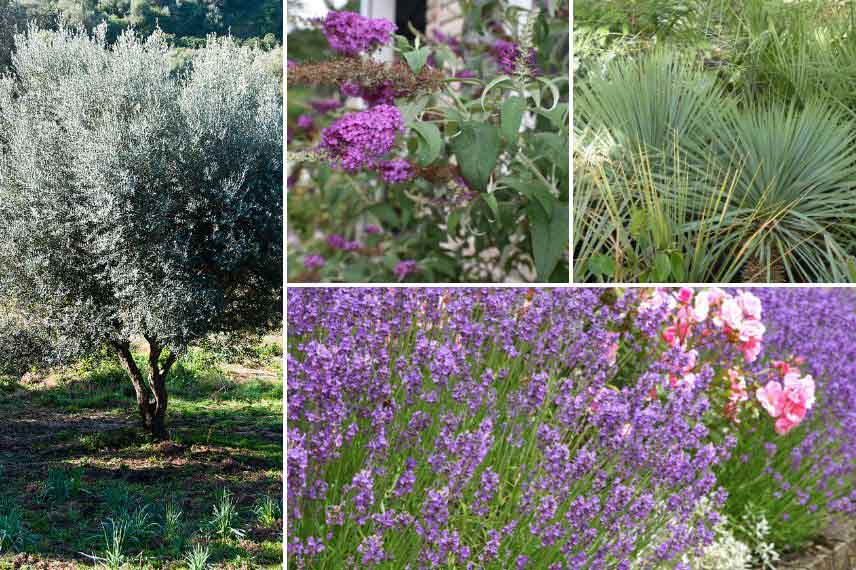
{"x":186,"y":21}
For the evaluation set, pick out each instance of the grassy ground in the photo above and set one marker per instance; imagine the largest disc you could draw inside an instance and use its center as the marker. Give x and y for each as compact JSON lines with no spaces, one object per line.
{"x":79,"y":480}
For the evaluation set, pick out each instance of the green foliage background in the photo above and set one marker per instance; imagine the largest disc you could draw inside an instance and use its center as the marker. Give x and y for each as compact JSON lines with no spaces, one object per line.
{"x":187,"y":21}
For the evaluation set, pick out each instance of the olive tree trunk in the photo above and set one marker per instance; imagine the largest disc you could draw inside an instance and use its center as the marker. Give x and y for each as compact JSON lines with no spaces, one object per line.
{"x":151,"y":392}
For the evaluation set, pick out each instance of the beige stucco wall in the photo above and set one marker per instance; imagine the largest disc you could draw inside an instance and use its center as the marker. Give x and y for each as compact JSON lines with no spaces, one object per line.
{"x":445,"y":16}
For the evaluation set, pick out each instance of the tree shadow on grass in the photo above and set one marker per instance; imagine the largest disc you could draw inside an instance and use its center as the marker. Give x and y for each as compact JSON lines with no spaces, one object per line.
{"x":83,"y":425}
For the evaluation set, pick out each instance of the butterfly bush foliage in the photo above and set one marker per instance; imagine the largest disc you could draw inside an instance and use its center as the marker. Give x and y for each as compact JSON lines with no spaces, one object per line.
{"x":557,"y":429}
{"x":457,"y":150}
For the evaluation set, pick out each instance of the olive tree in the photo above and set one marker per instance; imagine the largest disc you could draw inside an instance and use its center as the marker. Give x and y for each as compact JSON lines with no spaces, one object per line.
{"x":137,"y":201}
{"x":23,"y":345}
{"x":7,"y":32}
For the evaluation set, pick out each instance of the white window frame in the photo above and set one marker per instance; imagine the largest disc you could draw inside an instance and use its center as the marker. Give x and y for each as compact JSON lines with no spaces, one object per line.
{"x":386,"y":9}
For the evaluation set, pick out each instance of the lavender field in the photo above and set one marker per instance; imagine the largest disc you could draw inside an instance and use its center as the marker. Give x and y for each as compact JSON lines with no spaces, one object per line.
{"x":567,"y":428}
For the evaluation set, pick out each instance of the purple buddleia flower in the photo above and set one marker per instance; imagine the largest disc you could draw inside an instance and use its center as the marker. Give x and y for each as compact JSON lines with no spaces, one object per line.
{"x":352,"y":34}
{"x":395,"y":171}
{"x":451,"y":41}
{"x":506,"y":55}
{"x":359,"y":140}
{"x":305,"y":122}
{"x":313,"y":262}
{"x":404,"y":268}
{"x":338,"y":242}
{"x":381,"y":94}
{"x":325,"y":105}
{"x":466,"y":74}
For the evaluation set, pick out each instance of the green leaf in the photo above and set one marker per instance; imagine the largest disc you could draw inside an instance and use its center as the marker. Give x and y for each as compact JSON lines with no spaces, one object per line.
{"x":406,"y":205}
{"x":442,"y":264}
{"x":601,"y":265}
{"x":430,"y":142}
{"x":355,"y":272}
{"x":411,"y":109}
{"x":557,"y":116}
{"x":490,"y":200}
{"x":453,"y":220}
{"x":416,"y":59}
{"x":401,"y":42}
{"x":554,"y":147}
{"x":443,"y":54}
{"x":554,"y":91}
{"x":678,"y":266}
{"x":390,"y":260}
{"x":497,"y":81}
{"x":510,"y":116}
{"x":638,"y":222}
{"x":385,"y":213}
{"x":477,"y":148}
{"x":534,"y":190}
{"x":662,"y":267}
{"x":453,"y":115}
{"x":549,"y":237}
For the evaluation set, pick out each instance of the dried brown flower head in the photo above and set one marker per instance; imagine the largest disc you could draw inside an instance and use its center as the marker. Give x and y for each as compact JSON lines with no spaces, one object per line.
{"x":368,"y":74}
{"x":437,"y":173}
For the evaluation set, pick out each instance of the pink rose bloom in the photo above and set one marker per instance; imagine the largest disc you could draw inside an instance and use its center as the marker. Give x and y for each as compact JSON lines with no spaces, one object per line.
{"x":688,"y":380}
{"x":670,"y":335}
{"x":693,"y":354}
{"x":657,"y":299}
{"x":685,"y":295}
{"x":804,"y":385}
{"x":750,"y":304}
{"x":674,"y":335}
{"x":685,"y":313}
{"x":788,"y":403}
{"x":715,"y":295}
{"x":752,"y":329}
{"x":782,"y":366}
{"x":738,"y":387}
{"x":771,"y":397}
{"x":751,"y":349}
{"x":611,"y":353}
{"x":701,"y":308}
{"x":730,"y":314}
